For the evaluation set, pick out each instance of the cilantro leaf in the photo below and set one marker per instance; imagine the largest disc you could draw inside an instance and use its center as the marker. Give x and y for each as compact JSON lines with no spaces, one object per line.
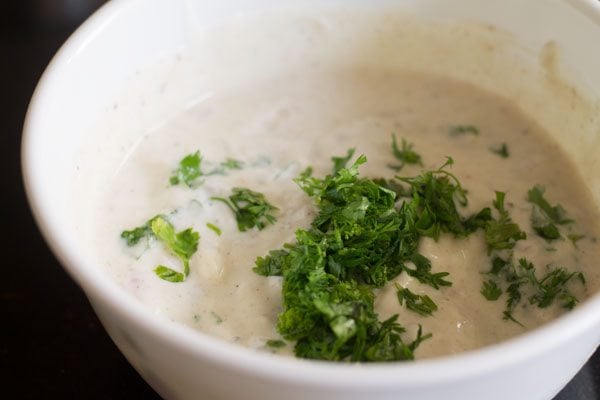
{"x":501,"y":150}
{"x":552,"y":286}
{"x":556,"y":214}
{"x":423,"y":273}
{"x":545,"y":217}
{"x":514,"y":297}
{"x":232,"y":163}
{"x":502,"y":233}
{"x":227,"y":165}
{"x":498,"y":265}
{"x":406,"y":155}
{"x":340,"y":162}
{"x":272,"y":264}
{"x":168,"y":274}
{"x":458,"y":130}
{"x":433,"y":209}
{"x":358,"y":241}
{"x":421,"y":304}
{"x":251,"y":209}
{"x":188,"y":170}
{"x":522,"y":278}
{"x":490,"y":290}
{"x":133,"y":236}
{"x":543,"y":226}
{"x":183,"y":244}
{"x":214,"y":228}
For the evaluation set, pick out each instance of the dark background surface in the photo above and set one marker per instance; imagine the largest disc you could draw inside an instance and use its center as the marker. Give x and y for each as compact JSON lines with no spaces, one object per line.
{"x":51,"y":343}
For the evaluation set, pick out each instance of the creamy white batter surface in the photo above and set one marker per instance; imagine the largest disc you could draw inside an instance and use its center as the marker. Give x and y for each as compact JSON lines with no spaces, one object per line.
{"x":279,"y":127}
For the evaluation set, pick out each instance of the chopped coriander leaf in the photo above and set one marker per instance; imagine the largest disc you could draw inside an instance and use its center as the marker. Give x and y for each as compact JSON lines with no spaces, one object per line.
{"x":498,"y":265}
{"x":214,"y":228}
{"x":502,"y":150}
{"x":502,"y":233}
{"x":458,"y":130}
{"x":552,"y":286}
{"x":306,"y":173}
{"x":406,"y":155}
{"x":340,"y":162}
{"x":188,"y":170}
{"x":490,"y":290}
{"x":132,"y":237}
{"x":423,"y":274}
{"x":479,"y":220}
{"x":521,"y":278}
{"x":275,"y":343}
{"x":542,"y":226}
{"x":168,"y":274}
{"x":421,"y":304}
{"x":556,"y":214}
{"x":227,"y":165}
{"x":390,"y":347}
{"x":183,"y":244}
{"x":545,"y":217}
{"x":359,"y":240}
{"x":232,"y":163}
{"x":272,"y":264}
{"x":433,"y":207}
{"x":419,"y":339}
{"x":514,"y":297}
{"x":394,"y":186}
{"x":251,"y":209}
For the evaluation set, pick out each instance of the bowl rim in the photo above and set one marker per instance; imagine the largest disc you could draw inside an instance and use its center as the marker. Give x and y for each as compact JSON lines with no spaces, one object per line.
{"x":253,"y":362}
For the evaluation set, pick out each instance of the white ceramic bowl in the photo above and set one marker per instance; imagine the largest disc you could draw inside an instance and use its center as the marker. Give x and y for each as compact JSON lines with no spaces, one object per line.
{"x":127,"y":35}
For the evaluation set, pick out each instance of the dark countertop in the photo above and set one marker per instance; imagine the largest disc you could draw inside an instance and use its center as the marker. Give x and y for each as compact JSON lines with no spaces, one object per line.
{"x":51,"y":343}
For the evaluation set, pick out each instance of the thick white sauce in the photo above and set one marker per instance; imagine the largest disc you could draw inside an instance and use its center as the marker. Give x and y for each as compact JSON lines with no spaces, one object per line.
{"x":281,"y":125}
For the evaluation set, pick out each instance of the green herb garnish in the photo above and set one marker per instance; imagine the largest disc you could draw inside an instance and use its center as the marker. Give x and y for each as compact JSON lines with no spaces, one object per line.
{"x":544,"y":217}
{"x":227,"y":165}
{"x":406,"y":154}
{"x":423,"y":274}
{"x":502,"y":150}
{"x":272,"y":264}
{"x":458,"y":130}
{"x":338,"y":163}
{"x":251,"y":209}
{"x":421,"y":304}
{"x":214,"y":228}
{"x":502,"y":233}
{"x":521,"y":278}
{"x":360,"y":240}
{"x":183,"y":244}
{"x":433,"y":210}
{"x":188,"y":170}
{"x":490,"y":290}
{"x":232,"y":163}
{"x":133,"y":237}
